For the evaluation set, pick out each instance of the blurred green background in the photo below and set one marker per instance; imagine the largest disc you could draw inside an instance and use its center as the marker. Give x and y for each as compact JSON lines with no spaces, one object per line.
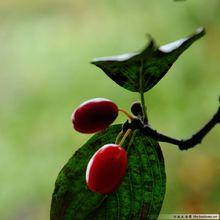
{"x":45,"y":50}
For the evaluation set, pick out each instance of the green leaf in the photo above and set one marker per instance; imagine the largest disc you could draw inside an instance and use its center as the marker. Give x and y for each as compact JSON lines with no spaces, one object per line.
{"x":153,"y":63}
{"x":140,"y":196}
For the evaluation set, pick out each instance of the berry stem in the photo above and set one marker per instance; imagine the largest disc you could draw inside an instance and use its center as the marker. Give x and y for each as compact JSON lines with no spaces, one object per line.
{"x":131,"y":141}
{"x":125,"y":136}
{"x":119,"y":137}
{"x":126,"y":113}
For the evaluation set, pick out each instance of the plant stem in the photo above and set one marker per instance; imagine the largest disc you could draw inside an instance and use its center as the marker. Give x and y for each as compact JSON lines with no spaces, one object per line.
{"x":131,"y":141}
{"x":125,"y":136}
{"x":145,"y":118}
{"x":182,"y":144}
{"x":126,"y":113}
{"x":144,"y":108}
{"x":188,"y":143}
{"x":118,"y":137}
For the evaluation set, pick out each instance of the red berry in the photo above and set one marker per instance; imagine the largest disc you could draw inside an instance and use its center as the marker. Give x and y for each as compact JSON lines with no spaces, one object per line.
{"x":94,"y":115}
{"x":106,"y":169}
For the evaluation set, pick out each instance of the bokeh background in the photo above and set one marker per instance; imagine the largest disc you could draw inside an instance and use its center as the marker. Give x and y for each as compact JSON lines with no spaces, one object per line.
{"x":45,"y":50}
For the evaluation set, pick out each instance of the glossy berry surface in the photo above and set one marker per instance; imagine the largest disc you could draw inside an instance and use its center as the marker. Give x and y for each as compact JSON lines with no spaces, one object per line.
{"x":94,"y":115}
{"x":106,"y":169}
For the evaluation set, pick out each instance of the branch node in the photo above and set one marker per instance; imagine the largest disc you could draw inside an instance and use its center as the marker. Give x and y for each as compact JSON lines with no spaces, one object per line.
{"x":189,"y":143}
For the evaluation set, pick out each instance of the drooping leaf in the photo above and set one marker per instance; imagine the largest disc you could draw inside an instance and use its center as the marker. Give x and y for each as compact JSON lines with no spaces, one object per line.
{"x":140,"y":196}
{"x":151,"y":64}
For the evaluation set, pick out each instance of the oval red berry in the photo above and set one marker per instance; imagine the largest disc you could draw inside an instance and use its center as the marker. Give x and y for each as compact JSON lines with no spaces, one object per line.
{"x":94,"y":115}
{"x":106,"y":169}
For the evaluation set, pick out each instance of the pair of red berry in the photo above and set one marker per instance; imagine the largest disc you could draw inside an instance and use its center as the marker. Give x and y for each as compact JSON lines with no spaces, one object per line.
{"x":107,"y":167}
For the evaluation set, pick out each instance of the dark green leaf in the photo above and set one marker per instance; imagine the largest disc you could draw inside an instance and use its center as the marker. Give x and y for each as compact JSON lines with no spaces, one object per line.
{"x":153,"y":63}
{"x":140,"y":196}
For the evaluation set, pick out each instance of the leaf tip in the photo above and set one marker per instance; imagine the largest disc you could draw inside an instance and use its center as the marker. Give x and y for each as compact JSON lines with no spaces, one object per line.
{"x":150,"y":46}
{"x":201,"y":31}
{"x":93,"y":61}
{"x":96,"y":62}
{"x":149,"y":37}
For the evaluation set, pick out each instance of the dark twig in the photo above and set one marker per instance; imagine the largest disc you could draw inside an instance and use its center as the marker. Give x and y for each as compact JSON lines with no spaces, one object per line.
{"x":188,"y":143}
{"x":196,"y":139}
